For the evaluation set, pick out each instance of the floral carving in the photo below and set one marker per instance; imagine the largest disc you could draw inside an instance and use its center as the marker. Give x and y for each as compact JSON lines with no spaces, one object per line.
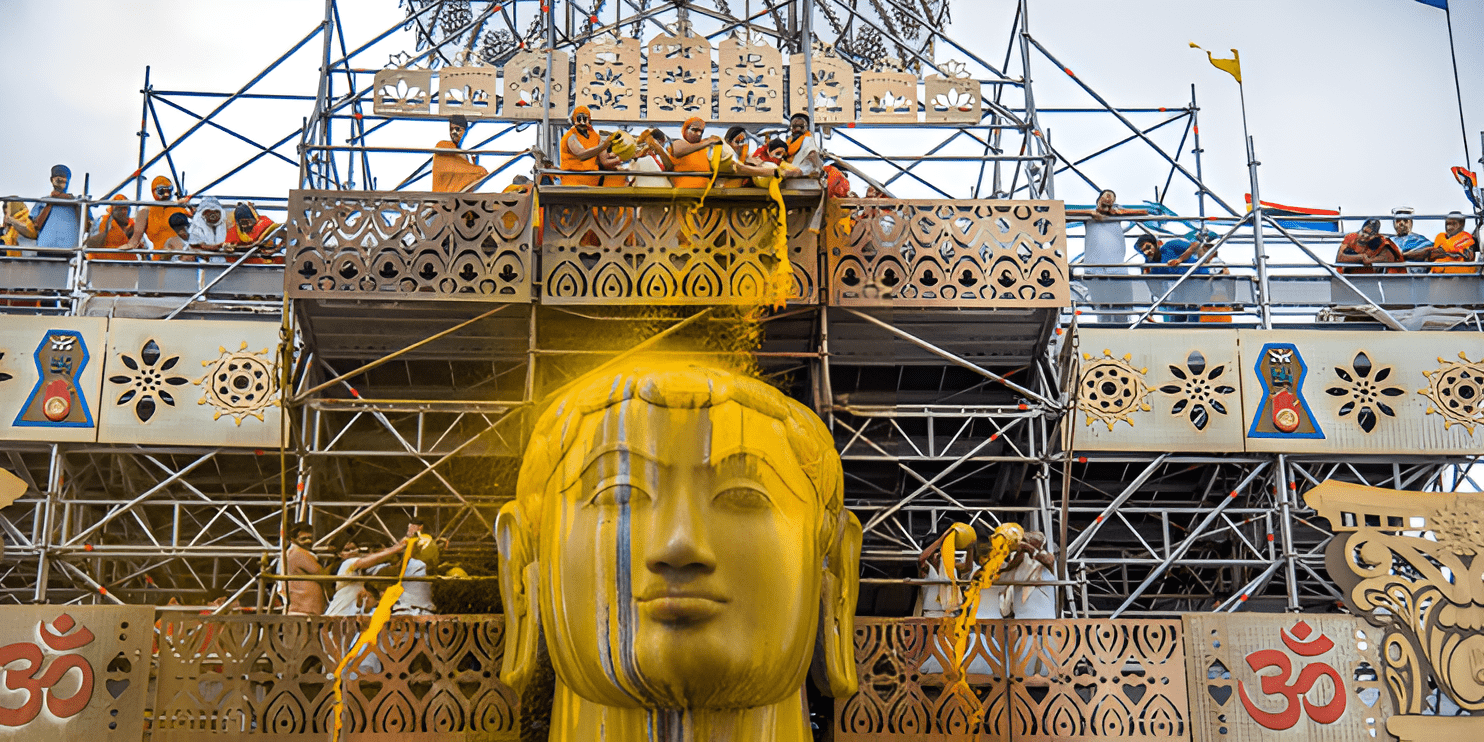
{"x":1459,"y":532}
{"x":1198,"y":391}
{"x":1456,"y":391}
{"x":147,"y":380}
{"x":1111,"y":389}
{"x":239,"y":384}
{"x":1363,"y":391}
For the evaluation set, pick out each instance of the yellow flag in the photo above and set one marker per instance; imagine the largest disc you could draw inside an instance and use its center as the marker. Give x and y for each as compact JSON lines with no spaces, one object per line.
{"x":1231,"y":66}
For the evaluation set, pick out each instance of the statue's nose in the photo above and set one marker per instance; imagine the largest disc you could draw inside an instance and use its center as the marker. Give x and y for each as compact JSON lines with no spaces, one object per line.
{"x":682,"y":548}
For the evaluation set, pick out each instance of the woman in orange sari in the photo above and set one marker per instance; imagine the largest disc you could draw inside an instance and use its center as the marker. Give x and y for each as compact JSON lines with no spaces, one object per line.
{"x":1452,"y":246}
{"x":250,"y":229}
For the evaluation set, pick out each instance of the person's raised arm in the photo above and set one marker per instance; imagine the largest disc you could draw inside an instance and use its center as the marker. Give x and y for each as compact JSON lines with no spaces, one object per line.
{"x":1189,"y":251}
{"x":383,"y":556}
{"x":586,"y":153}
{"x":681,"y":148}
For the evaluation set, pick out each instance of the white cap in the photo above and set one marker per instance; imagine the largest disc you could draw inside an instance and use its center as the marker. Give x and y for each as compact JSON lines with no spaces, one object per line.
{"x":1402,"y":211}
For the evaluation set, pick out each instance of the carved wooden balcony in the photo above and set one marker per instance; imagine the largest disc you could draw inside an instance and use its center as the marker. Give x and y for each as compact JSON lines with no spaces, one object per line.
{"x":947,"y":254}
{"x":410,"y":246}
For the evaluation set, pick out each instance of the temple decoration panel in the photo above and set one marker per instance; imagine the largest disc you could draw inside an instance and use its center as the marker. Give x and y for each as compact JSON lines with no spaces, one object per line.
{"x":410,"y":246}
{"x":1285,"y":677}
{"x":751,"y":85}
{"x":402,"y":91}
{"x":952,"y":95}
{"x":889,"y":253}
{"x":679,"y":77}
{"x":607,"y":78}
{"x":668,"y":253}
{"x":1025,"y":680}
{"x":834,"y":86}
{"x":473,"y":91}
{"x":1410,"y":564}
{"x":888,"y":96}
{"x":191,"y":382}
{"x":432,"y":678}
{"x":526,"y":94}
{"x":51,"y":374}
{"x":75,"y":672}
{"x":1289,"y":391}
{"x":1176,"y":390}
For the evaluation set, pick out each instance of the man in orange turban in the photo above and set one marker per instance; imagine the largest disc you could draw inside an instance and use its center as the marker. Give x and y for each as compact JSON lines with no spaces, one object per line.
{"x":112,"y":232}
{"x":691,"y":154}
{"x":154,"y":221}
{"x":580,"y":147}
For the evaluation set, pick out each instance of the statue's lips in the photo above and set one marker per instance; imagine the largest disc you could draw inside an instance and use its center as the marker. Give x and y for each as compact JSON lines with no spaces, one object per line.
{"x":682,"y":608}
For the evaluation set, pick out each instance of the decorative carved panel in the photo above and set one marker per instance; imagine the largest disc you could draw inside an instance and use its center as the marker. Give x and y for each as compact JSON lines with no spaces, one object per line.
{"x":1173,"y":390}
{"x":425,"y":678}
{"x":471,"y":91}
{"x":888,"y":96}
{"x":679,"y":78}
{"x":1410,"y":563}
{"x":607,"y":78}
{"x":51,"y":370}
{"x":751,"y":82}
{"x":1274,"y":677}
{"x":663,"y":254}
{"x":834,"y":87}
{"x":947,"y":253}
{"x":401,"y":91}
{"x":525,"y":85}
{"x":75,"y":672}
{"x":951,"y":96}
{"x":1031,"y":680}
{"x":191,"y":382}
{"x":410,"y":246}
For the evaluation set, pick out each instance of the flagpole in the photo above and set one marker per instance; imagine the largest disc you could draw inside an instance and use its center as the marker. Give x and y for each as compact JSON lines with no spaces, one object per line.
{"x":1458,"y":89}
{"x":1260,"y":251}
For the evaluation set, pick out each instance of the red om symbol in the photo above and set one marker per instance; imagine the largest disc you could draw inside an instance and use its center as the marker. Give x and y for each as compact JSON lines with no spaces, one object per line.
{"x":37,"y":683}
{"x":1278,"y":685}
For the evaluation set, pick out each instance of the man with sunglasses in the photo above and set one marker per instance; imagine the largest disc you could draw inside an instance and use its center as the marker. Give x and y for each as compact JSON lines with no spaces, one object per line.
{"x":580,"y":147}
{"x":156,"y":219}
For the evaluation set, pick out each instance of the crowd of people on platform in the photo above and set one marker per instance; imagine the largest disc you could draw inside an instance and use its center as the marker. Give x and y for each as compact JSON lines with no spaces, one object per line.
{"x":353,"y":597}
{"x":170,"y":229}
{"x":1359,"y":252}
{"x":593,"y":158}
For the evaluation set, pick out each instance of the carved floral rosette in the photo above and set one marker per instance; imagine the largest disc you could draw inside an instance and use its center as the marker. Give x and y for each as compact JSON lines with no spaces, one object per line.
{"x":751,"y":85}
{"x":607,"y":80}
{"x":679,"y":78}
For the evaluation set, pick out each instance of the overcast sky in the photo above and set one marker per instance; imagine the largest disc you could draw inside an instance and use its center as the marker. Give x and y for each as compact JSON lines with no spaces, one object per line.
{"x":1351,"y":101}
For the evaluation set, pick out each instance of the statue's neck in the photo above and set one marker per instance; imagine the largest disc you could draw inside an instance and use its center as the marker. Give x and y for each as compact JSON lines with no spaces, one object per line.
{"x":574,"y":719}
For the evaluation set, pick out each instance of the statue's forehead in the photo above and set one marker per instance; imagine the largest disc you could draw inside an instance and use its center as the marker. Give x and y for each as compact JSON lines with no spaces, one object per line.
{"x":668,"y":434}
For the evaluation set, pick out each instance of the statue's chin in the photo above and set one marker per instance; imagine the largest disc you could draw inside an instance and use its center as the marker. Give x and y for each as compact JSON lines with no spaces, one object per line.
{"x":691,"y":667}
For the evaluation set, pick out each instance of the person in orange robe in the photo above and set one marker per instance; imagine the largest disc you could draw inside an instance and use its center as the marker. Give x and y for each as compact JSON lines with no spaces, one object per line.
{"x":113,"y":232}
{"x":691,"y":154}
{"x":154,"y":221}
{"x":454,"y":173}
{"x":1452,"y":246}
{"x":250,"y":229}
{"x":580,"y":147}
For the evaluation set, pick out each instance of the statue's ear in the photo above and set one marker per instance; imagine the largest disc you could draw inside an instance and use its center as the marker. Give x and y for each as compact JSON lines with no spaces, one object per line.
{"x":841,"y":589}
{"x":518,"y":583}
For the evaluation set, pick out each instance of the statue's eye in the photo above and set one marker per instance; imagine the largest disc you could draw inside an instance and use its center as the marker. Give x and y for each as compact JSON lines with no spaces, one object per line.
{"x":613,"y":495}
{"x":743,"y":498}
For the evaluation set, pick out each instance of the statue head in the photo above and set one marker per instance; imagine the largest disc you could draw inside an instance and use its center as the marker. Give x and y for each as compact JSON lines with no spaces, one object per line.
{"x":679,"y":534}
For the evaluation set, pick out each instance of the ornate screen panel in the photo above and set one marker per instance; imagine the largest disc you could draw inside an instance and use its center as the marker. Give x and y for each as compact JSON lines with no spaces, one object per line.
{"x":1030,"y":680}
{"x":664,"y":254}
{"x":75,"y":672}
{"x":426,"y":679}
{"x":607,"y":78}
{"x":191,"y":382}
{"x":890,"y":253}
{"x":751,"y":84}
{"x":471,"y":91}
{"x":888,"y":96}
{"x":51,"y":370}
{"x":410,"y":246}
{"x":525,"y":85}
{"x":1285,"y":677}
{"x":679,"y":78}
{"x":834,"y":87}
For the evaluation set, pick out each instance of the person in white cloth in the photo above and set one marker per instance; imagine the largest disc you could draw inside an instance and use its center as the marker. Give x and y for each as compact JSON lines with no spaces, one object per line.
{"x":1104,"y":247}
{"x":349,"y":598}
{"x":208,"y":230}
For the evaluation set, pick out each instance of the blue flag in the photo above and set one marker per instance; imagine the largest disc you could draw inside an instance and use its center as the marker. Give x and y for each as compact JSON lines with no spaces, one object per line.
{"x":1439,"y":4}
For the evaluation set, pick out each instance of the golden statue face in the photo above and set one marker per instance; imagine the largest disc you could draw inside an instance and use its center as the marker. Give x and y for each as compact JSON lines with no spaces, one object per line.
{"x":697,"y":534}
{"x":676,"y":533}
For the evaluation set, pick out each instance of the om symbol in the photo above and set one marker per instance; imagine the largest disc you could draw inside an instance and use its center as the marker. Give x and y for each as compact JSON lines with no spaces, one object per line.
{"x":38,"y":683}
{"x":1279,"y":685}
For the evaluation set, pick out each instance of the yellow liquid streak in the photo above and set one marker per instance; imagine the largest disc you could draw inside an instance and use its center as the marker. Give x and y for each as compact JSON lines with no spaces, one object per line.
{"x":780,"y":279}
{"x":379,"y":617}
{"x":1005,"y":540}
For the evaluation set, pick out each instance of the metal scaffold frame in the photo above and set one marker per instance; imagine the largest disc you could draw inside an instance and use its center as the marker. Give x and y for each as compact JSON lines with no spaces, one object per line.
{"x":423,"y":425}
